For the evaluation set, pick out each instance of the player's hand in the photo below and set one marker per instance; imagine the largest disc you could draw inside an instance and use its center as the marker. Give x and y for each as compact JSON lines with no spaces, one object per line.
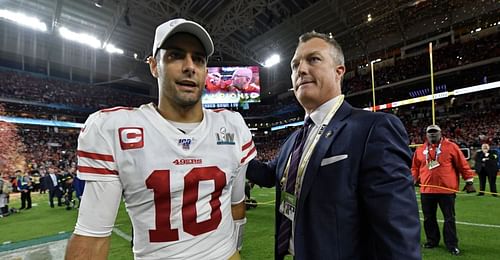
{"x":469,"y":187}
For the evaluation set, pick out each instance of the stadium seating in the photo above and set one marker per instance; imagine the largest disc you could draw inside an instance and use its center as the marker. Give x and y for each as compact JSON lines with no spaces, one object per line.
{"x":469,"y":120}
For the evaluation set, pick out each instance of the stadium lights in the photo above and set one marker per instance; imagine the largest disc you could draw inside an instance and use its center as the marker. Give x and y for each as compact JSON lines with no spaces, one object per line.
{"x":369,"y":18}
{"x":112,"y":49}
{"x":98,"y":3}
{"x":478,"y":29}
{"x":24,"y":20}
{"x":271,"y":61}
{"x":80,"y":37}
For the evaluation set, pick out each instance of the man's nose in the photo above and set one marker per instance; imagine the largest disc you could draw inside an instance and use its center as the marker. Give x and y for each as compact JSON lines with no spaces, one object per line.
{"x":188,"y":66}
{"x":302,"y":68}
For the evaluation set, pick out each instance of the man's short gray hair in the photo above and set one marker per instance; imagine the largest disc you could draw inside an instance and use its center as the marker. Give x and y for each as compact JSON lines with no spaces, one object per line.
{"x":337,"y":54}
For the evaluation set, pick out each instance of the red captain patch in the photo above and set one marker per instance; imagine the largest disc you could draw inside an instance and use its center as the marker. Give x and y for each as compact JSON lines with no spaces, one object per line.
{"x":131,"y":137}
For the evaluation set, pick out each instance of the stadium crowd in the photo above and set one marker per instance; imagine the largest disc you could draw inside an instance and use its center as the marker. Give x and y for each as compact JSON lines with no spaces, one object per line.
{"x":28,"y":87}
{"x":446,"y":57}
{"x":44,"y":151}
{"x":36,"y":88}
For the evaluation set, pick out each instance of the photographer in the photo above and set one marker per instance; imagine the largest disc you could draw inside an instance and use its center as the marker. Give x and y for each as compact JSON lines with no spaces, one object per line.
{"x":66,"y":183}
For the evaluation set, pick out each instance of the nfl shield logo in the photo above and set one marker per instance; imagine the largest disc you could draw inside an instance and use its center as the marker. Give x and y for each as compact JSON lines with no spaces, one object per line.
{"x":185,"y":143}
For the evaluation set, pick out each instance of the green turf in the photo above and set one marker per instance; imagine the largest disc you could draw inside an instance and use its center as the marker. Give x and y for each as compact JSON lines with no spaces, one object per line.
{"x":475,"y":242}
{"x":41,"y":220}
{"x":258,"y":242}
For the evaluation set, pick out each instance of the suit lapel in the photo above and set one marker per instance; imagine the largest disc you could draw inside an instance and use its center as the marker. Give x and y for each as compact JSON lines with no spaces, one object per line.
{"x":329,"y":135}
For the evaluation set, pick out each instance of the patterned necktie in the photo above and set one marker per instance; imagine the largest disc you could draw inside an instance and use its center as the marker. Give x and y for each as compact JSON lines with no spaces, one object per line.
{"x":298,"y":147}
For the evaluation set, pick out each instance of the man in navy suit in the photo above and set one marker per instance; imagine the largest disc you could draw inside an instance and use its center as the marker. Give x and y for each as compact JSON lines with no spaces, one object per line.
{"x":352,"y":195}
{"x":52,"y":182}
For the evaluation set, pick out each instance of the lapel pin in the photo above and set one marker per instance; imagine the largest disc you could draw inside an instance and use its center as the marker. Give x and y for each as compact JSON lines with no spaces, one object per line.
{"x":328,"y":134}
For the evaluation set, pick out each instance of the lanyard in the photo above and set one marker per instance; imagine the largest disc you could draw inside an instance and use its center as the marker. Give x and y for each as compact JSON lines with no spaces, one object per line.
{"x":310,"y":148}
{"x":427,"y":155}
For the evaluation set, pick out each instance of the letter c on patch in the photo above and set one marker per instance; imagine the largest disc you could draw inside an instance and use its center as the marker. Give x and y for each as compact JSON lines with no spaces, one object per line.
{"x":131,"y":137}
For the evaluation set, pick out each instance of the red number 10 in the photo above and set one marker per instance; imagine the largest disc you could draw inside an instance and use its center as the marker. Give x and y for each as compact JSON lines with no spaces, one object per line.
{"x":159,"y":182}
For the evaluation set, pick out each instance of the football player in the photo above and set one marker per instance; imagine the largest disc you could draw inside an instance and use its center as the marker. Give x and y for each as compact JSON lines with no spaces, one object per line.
{"x":180,"y":168}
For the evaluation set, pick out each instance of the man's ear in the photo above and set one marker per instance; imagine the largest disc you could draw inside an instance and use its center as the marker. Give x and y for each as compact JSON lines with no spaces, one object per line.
{"x":153,"y":66}
{"x":339,"y":71}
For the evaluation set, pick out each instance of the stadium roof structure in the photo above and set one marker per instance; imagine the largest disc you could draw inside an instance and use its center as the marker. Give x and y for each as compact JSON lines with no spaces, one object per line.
{"x":246,"y":32}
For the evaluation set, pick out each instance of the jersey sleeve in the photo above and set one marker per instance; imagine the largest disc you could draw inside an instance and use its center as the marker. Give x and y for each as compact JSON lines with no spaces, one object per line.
{"x":98,"y":208}
{"x":247,"y":149}
{"x":238,"y":189}
{"x":96,"y":160}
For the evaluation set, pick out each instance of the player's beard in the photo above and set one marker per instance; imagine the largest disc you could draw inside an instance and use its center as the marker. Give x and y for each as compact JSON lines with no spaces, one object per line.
{"x":181,"y":98}
{"x":187,"y":100}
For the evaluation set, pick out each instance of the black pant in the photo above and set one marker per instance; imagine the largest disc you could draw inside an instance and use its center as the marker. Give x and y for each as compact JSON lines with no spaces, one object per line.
{"x":446,"y":203}
{"x":68,"y":197}
{"x":55,"y":192}
{"x":492,"y":178}
{"x":25,"y":197}
{"x":4,"y":210}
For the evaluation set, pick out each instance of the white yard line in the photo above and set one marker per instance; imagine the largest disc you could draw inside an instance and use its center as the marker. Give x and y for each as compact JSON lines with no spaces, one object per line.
{"x":467,"y":223}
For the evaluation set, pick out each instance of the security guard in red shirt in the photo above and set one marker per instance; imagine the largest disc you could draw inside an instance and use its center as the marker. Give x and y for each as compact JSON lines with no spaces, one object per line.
{"x":437,"y":166}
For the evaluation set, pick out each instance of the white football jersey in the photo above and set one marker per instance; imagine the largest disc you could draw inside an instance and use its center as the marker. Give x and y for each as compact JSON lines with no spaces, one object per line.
{"x":176,"y":186}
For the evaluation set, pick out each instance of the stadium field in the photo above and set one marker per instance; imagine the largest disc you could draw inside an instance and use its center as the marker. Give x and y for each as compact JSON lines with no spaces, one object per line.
{"x":42,"y":231}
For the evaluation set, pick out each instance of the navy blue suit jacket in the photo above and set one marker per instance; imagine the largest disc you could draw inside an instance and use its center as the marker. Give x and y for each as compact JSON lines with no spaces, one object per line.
{"x":360,"y":207}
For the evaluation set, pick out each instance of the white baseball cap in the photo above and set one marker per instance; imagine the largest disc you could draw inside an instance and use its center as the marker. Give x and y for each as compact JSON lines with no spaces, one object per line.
{"x":169,"y":28}
{"x":434,"y":128}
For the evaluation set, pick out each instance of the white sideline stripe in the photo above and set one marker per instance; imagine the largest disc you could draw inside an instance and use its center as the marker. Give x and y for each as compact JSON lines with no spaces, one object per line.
{"x":476,"y":224}
{"x":467,"y":223}
{"x":122,"y":234}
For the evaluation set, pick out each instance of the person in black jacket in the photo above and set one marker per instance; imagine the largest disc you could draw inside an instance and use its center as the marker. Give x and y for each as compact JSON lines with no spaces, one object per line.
{"x":487,"y":167}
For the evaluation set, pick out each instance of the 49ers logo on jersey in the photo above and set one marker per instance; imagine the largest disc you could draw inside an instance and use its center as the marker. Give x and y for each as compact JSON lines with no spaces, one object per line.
{"x":131,"y":137}
{"x":187,"y":161}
